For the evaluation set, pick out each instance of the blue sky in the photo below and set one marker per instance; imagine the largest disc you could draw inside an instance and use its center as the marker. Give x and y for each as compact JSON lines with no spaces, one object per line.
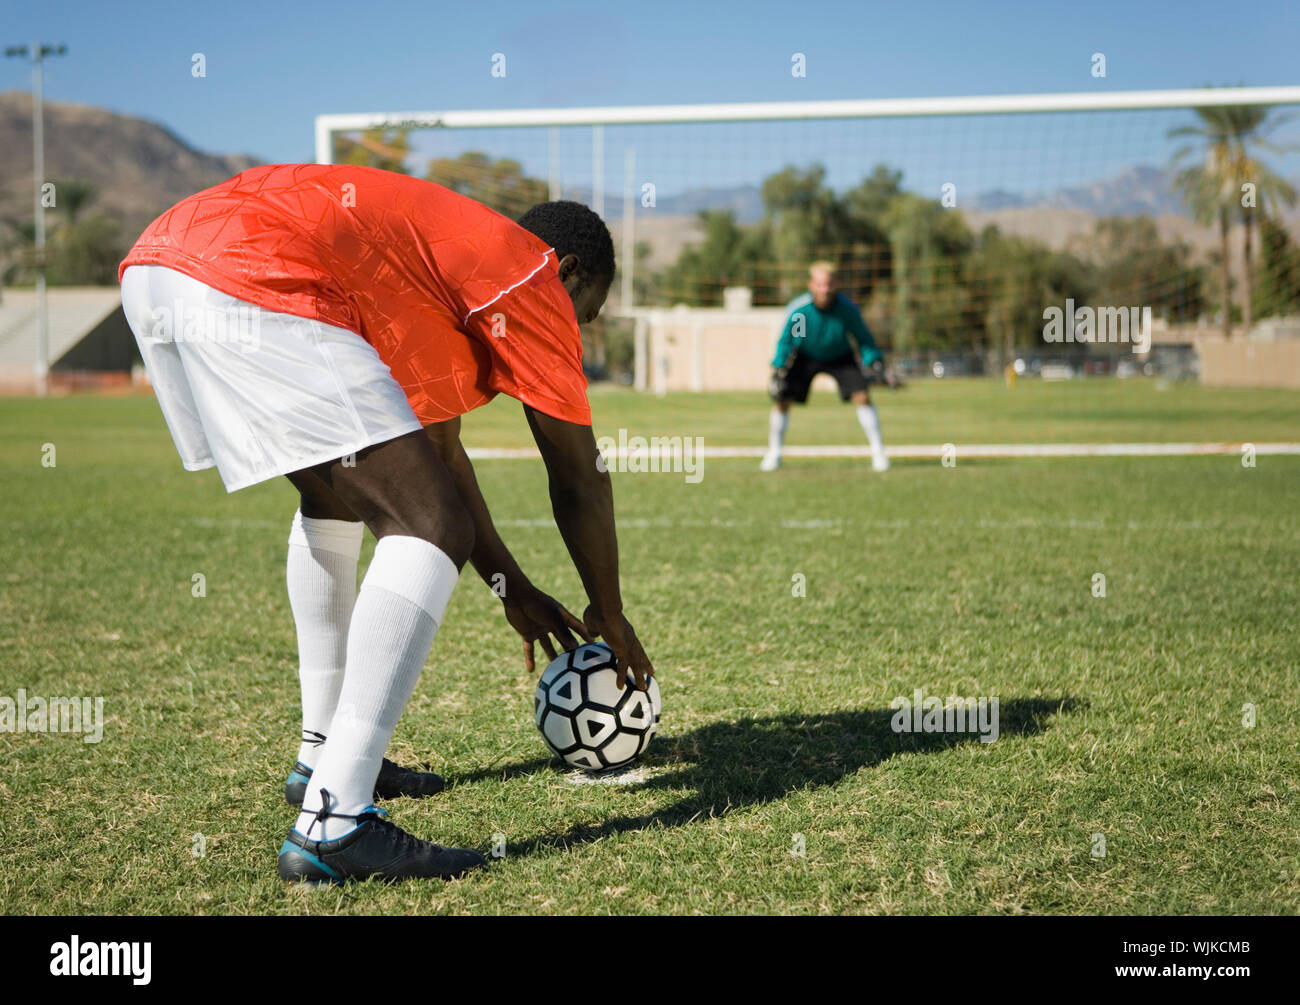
{"x":271,"y":67}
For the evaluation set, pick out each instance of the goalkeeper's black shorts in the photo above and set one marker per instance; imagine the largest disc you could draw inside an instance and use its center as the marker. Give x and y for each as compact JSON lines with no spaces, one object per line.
{"x":846,"y":371}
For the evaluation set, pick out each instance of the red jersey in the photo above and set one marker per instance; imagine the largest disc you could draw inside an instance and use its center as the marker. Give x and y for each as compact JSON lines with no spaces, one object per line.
{"x":460,"y":302}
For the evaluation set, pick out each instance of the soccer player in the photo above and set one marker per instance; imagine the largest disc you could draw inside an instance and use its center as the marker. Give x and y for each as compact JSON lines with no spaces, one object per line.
{"x":331,"y":324}
{"x":824,"y":333}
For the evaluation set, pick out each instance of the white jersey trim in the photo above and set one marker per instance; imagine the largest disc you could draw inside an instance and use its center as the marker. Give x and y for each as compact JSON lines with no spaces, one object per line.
{"x":545,"y":258}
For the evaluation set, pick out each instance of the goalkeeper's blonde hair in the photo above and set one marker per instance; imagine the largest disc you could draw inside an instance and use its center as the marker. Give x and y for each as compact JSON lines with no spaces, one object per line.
{"x":821,"y":265}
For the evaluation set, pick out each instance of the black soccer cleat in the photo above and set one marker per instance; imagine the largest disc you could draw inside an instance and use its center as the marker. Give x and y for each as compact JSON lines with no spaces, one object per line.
{"x":295,"y":786}
{"x":375,"y":848}
{"x":393,"y":781}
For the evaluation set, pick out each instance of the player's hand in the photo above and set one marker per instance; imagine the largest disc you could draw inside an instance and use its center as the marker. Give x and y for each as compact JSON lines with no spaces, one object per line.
{"x":538,"y":618}
{"x":776,"y":384}
{"x":618,"y":632}
{"x":876,"y":373}
{"x":886,"y":377}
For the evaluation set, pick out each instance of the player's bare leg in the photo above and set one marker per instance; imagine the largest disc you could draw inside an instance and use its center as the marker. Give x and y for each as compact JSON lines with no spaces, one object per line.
{"x":404,"y":493}
{"x":778,"y":423}
{"x":870,"y":423}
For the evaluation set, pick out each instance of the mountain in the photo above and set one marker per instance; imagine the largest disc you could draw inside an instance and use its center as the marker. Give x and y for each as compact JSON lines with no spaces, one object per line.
{"x":139,"y":167}
{"x":1135,"y":190}
{"x":1141,"y":189}
{"x":746,"y":201}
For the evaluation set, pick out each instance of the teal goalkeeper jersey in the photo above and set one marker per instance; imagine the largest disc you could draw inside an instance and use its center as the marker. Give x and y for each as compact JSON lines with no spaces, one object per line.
{"x":825,"y":334}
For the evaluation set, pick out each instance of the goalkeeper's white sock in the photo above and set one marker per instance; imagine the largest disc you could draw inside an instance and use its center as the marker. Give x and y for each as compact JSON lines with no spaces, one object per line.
{"x":322,"y":581}
{"x":398,"y":610}
{"x":870,"y":422}
{"x":778,"y":422}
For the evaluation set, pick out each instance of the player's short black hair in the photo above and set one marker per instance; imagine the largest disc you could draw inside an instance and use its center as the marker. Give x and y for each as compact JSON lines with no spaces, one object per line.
{"x":573,"y":229}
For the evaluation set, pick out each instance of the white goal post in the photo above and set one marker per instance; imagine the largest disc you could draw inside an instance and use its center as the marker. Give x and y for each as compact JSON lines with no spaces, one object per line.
{"x":328,"y":125}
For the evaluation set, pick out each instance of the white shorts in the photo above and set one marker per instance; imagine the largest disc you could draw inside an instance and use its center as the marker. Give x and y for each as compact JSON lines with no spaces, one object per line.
{"x":255,"y":392}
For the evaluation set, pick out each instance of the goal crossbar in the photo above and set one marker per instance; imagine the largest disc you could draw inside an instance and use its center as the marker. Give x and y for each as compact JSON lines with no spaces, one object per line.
{"x":1084,"y":101}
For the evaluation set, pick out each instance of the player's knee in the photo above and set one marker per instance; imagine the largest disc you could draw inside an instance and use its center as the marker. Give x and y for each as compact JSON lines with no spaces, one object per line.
{"x":445,"y":523}
{"x":451,"y":528}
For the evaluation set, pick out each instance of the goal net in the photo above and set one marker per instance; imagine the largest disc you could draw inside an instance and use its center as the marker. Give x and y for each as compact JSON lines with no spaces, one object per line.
{"x":955,"y":224}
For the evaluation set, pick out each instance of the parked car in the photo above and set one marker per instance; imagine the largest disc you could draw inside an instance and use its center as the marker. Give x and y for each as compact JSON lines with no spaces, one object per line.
{"x":1057,"y":370}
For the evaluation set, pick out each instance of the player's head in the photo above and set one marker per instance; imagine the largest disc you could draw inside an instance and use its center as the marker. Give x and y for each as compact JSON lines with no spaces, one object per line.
{"x":583,"y":247}
{"x":821,"y":284}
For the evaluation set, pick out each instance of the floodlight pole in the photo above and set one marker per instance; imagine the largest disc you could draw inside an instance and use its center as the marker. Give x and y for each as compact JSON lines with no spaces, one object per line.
{"x":38,"y":51}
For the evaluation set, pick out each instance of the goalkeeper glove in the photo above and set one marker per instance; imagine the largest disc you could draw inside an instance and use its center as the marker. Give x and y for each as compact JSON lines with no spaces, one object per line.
{"x":776,"y":384}
{"x":875,"y":373}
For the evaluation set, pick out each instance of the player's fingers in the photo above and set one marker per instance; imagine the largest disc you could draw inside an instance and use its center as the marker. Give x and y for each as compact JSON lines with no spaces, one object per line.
{"x":644,"y":669}
{"x":546,"y":645}
{"x":561,"y":626}
{"x":528,"y":657}
{"x":567,"y":640}
{"x":576,"y":624}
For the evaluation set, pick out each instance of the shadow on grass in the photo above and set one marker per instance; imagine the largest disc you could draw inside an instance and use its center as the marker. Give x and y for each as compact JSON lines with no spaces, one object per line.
{"x":731,"y":765}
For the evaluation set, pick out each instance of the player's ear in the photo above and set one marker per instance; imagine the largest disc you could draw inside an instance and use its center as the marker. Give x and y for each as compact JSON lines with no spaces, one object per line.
{"x":569,"y":272}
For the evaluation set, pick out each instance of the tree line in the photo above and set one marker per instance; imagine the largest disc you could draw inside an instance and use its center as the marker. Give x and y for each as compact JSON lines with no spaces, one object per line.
{"x":927,"y":280}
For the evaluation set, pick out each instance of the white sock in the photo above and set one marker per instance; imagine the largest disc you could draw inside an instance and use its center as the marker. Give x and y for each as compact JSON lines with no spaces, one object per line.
{"x":398,"y":610}
{"x":870,"y":423}
{"x":777,"y":423}
{"x":322,"y":580}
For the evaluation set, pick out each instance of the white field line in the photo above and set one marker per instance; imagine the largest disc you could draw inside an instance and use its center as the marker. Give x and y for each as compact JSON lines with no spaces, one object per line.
{"x":918,"y":523}
{"x":962,"y":450}
{"x":834,"y":523}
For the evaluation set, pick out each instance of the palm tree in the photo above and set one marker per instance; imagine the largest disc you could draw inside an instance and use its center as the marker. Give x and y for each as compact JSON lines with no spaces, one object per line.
{"x":1271,"y":191}
{"x":1215,"y":189}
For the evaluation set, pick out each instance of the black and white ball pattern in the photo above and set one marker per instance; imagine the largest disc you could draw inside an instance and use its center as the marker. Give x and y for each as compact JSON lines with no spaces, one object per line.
{"x":585,"y":718}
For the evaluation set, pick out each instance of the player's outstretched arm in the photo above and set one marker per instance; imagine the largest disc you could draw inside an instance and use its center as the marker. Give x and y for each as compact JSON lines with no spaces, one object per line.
{"x":582,"y":500}
{"x":536,"y":616}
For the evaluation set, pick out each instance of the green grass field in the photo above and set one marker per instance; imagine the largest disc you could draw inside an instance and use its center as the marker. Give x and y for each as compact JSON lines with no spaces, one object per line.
{"x":1121,"y":716}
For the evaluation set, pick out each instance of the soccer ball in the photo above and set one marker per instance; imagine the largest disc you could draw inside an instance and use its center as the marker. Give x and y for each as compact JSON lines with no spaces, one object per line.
{"x":585,"y":718}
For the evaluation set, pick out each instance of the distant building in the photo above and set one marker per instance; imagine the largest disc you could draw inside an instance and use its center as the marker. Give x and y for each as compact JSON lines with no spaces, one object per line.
{"x":91,"y":344}
{"x":1268,"y":357}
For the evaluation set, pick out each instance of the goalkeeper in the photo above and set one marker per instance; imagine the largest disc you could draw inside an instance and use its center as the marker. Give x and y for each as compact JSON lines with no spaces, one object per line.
{"x":825,"y":333}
